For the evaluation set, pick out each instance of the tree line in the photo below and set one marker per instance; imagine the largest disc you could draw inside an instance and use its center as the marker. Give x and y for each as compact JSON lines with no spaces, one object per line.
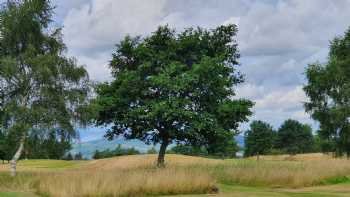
{"x":40,"y":144}
{"x":292,"y":137}
{"x":118,"y":151}
{"x":167,"y":88}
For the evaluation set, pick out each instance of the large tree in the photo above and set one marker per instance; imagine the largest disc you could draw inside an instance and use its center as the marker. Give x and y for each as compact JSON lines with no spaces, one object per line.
{"x":294,"y":137}
{"x":40,"y":87}
{"x":328,"y":87}
{"x":259,"y":139}
{"x":172,"y":88}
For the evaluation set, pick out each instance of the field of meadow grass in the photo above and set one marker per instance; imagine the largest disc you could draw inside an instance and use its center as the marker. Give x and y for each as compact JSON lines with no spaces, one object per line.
{"x":300,"y":175}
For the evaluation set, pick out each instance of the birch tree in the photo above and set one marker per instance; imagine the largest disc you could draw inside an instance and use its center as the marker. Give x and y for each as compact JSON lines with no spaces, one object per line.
{"x":41,"y":88}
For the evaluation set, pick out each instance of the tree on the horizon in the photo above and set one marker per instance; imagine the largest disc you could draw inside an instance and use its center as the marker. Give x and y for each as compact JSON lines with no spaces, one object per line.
{"x":118,"y":151}
{"x":69,"y":157}
{"x":259,"y":139}
{"x":294,"y":137}
{"x":97,"y":155}
{"x":78,"y":156}
{"x":328,"y":88}
{"x":174,"y":88}
{"x":40,"y":87}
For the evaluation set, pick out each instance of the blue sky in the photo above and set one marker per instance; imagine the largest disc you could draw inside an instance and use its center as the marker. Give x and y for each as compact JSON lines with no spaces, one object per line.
{"x":277,"y":40}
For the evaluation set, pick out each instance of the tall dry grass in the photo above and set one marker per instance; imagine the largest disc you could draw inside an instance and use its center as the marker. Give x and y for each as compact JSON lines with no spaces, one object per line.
{"x":129,"y":176}
{"x":283,"y":173}
{"x":23,"y":182}
{"x":126,"y":183}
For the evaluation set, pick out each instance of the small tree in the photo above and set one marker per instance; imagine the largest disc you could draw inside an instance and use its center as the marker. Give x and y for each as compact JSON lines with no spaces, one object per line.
{"x":173,"y":88}
{"x":294,"y":137}
{"x":259,"y":139}
{"x":78,"y":156}
{"x":97,"y":155}
{"x":41,"y":88}
{"x":69,"y":157}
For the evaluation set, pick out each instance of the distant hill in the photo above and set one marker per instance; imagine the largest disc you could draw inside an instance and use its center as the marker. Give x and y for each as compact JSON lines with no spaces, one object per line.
{"x":88,"y":148}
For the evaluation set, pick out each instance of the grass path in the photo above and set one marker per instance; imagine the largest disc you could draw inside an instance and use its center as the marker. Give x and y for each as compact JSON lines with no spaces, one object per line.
{"x":338,"y":190}
{"x":17,"y":194}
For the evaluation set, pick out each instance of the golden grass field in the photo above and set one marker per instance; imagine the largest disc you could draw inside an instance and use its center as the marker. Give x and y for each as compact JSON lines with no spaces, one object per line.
{"x":310,"y":174}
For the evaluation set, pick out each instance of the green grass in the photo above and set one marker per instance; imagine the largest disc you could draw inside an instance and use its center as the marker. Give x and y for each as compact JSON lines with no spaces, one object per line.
{"x":247,"y":191}
{"x":50,"y":164}
{"x":335,"y":180}
{"x":16,"y":194}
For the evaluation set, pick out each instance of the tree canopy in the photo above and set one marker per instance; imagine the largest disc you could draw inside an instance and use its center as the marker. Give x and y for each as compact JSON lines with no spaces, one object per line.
{"x":328,"y":87}
{"x":259,"y":139}
{"x":40,"y":86}
{"x":118,"y":151}
{"x":294,"y":137}
{"x":174,"y":87}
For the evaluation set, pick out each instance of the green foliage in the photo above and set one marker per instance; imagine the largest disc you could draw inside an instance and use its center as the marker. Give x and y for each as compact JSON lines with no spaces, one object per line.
{"x":8,"y":140}
{"x":40,"y":87}
{"x":259,"y":139}
{"x":174,"y":88}
{"x":152,"y":151}
{"x":53,"y":144}
{"x":294,"y":137}
{"x":68,"y":157}
{"x":328,"y":88}
{"x":119,"y":151}
{"x":188,"y":150}
{"x":78,"y":156}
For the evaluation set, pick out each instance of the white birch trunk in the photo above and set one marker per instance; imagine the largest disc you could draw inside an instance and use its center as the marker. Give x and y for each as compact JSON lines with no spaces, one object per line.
{"x":13,"y":162}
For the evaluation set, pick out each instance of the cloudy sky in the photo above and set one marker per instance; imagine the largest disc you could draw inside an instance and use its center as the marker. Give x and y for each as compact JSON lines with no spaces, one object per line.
{"x":277,"y":39}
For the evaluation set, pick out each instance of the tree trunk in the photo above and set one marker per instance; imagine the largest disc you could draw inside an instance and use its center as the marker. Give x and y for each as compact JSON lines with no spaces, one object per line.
{"x":161,"y":154}
{"x":258,"y":157}
{"x":13,"y":162}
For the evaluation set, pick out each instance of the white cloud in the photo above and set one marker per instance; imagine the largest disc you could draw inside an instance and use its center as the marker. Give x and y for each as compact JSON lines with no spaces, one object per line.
{"x":232,"y":20}
{"x":97,"y":66}
{"x":282,"y":100}
{"x":275,"y":106}
{"x":91,"y":30}
{"x":295,"y":26}
{"x":277,"y":39}
{"x":104,"y":22}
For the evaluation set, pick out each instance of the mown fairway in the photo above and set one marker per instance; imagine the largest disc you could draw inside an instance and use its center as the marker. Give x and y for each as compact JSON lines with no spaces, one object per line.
{"x":302,"y":175}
